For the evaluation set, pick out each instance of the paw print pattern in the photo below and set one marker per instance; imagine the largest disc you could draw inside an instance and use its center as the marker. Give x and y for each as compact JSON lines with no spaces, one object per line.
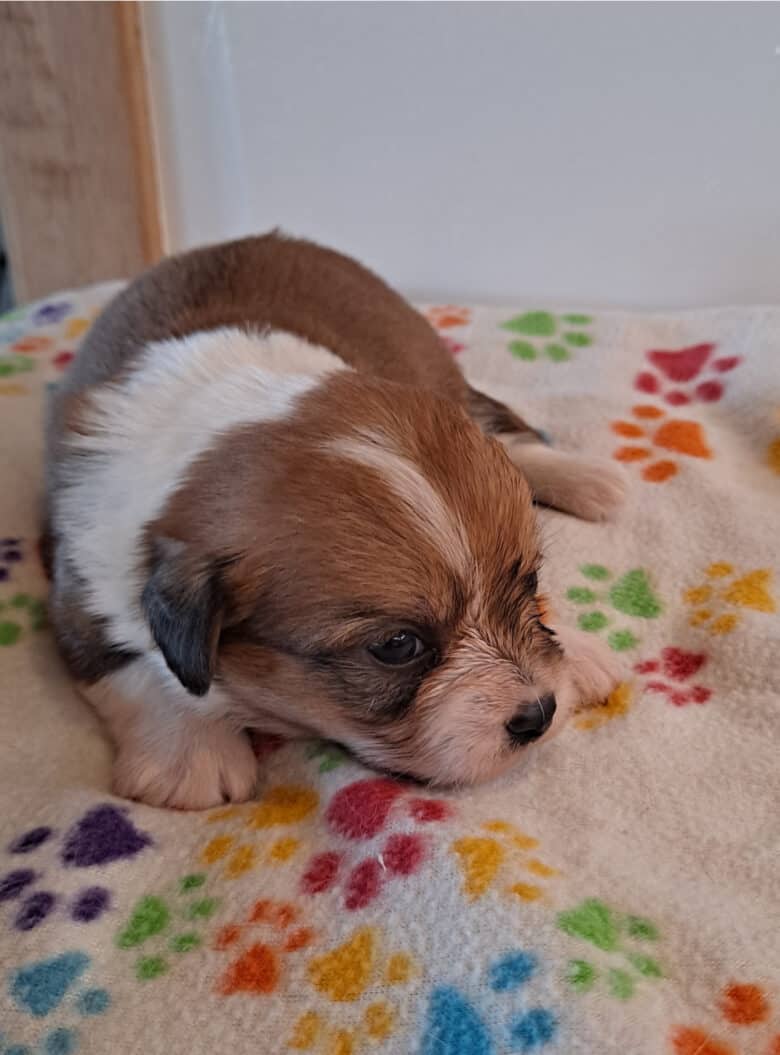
{"x":360,"y":812}
{"x":541,"y":333}
{"x":630,"y":595}
{"x":691,"y":373}
{"x":11,"y":554}
{"x":483,"y":860}
{"x":724,"y":589}
{"x":617,"y":705}
{"x":13,"y":363}
{"x":170,"y":924}
{"x":257,"y":967}
{"x":742,"y":1005}
{"x":623,"y":938}
{"x":448,"y":316}
{"x":31,"y":345}
{"x":280,"y":807}
{"x":670,"y":675}
{"x":457,"y":1025}
{"x":329,"y":756}
{"x":51,"y":313}
{"x":452,"y":323}
{"x":103,"y":835}
{"x":344,"y":976}
{"x":53,"y":987}
{"x":671,"y":435}
{"x":773,"y":456}
{"x":18,"y":614}
{"x":12,"y":388}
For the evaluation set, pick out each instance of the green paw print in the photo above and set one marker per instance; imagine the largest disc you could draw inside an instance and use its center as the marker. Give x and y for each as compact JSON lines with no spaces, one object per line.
{"x":15,"y":613}
{"x":545,"y":334}
{"x":167,"y":925}
{"x":630,"y":595}
{"x":621,"y":937}
{"x":15,"y":364}
{"x":330,"y":756}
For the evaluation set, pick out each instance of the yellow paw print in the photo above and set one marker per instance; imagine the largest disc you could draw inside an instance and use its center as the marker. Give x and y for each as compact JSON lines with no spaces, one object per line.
{"x":773,"y":455}
{"x":279,"y":807}
{"x":617,"y":704}
{"x":482,"y":857}
{"x":346,"y":975}
{"x":727,"y":588}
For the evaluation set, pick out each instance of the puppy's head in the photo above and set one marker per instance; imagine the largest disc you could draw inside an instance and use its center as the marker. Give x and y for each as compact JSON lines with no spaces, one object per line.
{"x":366,"y":570}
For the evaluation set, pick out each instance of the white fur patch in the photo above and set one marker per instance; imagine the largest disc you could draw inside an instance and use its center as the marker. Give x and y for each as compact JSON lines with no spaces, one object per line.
{"x":146,"y":431}
{"x":425,"y":506}
{"x":591,"y":488}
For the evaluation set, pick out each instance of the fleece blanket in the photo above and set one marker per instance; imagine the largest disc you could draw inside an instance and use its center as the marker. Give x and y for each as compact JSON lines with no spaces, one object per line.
{"x":615,"y":896}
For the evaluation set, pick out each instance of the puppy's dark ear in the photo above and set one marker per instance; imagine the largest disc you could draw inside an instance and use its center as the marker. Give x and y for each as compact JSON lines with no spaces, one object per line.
{"x":183,"y":601}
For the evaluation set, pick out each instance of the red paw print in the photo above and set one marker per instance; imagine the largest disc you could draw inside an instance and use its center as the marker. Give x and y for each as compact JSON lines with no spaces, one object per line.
{"x":682,"y":368}
{"x":741,"y":1004}
{"x":360,"y":812}
{"x":453,"y":347}
{"x":678,"y":666}
{"x":63,"y":359}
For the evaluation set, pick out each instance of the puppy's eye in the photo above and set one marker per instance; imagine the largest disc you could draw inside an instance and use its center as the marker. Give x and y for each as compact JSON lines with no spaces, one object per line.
{"x":531,"y":582}
{"x":401,"y":648}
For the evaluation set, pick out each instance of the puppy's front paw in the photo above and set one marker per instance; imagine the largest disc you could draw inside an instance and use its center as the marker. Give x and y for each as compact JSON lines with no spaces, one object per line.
{"x":599,"y":490}
{"x":202,"y":767}
{"x":592,"y":667}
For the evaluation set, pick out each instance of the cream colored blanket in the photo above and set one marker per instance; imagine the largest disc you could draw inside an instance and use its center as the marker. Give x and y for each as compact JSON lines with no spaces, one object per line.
{"x":619,"y":896}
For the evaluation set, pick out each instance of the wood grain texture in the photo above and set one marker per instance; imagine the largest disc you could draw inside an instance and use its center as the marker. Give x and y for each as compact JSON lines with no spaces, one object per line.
{"x":77,"y":186}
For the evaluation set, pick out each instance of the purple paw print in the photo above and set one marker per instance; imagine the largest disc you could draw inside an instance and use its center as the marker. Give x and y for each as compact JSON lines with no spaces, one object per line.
{"x":51,"y":313}
{"x":11,"y":553}
{"x":104,"y":834}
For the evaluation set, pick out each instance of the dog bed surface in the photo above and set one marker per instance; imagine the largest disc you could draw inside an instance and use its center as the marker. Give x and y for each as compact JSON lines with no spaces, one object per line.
{"x":616,"y":896}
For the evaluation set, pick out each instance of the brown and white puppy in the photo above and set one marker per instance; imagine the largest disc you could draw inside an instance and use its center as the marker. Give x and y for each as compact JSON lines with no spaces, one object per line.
{"x":274,"y":503}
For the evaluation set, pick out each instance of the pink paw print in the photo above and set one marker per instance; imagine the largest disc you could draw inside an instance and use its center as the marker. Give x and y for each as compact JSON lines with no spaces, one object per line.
{"x":360,"y":812}
{"x":676,"y":667}
{"x":692,"y":372}
{"x":453,"y":347}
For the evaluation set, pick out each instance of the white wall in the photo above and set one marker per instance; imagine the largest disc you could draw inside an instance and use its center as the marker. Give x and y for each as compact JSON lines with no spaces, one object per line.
{"x":609,"y":154}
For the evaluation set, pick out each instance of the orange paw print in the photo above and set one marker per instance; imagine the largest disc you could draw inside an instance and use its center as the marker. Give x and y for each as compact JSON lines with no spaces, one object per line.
{"x":30,"y":345}
{"x":742,"y":1005}
{"x":674,"y":435}
{"x":448,"y":316}
{"x":482,"y":857}
{"x":257,"y":969}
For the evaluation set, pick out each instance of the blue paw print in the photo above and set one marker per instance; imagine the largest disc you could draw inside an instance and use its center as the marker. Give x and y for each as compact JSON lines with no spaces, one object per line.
{"x":46,"y":986}
{"x":454,"y":1026}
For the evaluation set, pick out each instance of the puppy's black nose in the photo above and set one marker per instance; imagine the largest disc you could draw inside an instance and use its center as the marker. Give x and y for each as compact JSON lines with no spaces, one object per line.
{"x":532,"y":720}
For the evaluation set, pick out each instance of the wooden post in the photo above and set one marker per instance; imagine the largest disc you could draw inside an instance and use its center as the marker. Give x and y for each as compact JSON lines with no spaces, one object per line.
{"x":78,"y":191}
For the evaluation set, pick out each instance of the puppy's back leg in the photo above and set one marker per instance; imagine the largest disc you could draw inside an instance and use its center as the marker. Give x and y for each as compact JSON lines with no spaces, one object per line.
{"x":586,"y":487}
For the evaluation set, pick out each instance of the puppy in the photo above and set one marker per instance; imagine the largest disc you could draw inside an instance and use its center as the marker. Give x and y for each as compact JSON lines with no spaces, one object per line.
{"x":273,"y":502}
